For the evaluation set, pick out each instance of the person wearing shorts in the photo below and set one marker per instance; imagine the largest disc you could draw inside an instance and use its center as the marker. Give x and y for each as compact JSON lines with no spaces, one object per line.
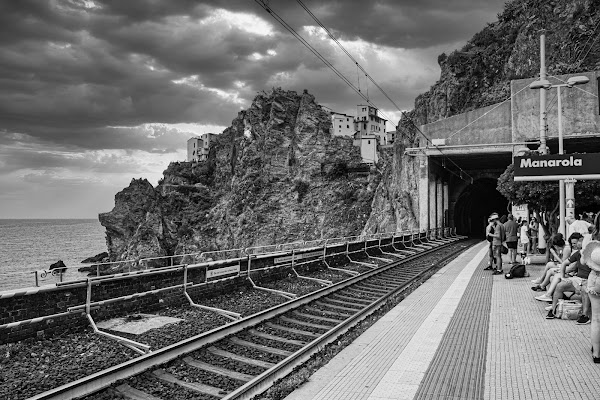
{"x":510,"y":229}
{"x":498,"y":237}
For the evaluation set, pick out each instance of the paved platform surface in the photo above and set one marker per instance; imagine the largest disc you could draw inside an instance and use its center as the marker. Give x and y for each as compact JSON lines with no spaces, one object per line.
{"x":464,"y":334}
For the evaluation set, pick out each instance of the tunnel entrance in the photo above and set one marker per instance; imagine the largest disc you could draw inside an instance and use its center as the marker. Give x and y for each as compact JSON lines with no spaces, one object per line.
{"x":476,"y":202}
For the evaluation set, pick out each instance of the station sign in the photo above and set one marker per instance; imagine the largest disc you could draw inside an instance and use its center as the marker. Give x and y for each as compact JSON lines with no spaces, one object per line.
{"x":557,"y":166}
{"x":297,"y":257}
{"x":215,"y":273}
{"x":520,"y":211}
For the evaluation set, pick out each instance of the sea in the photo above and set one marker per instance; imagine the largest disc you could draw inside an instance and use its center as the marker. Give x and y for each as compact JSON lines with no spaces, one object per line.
{"x":28,"y":245}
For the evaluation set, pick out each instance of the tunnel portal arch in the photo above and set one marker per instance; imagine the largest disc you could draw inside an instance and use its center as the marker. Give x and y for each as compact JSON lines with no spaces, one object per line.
{"x":475,"y":203}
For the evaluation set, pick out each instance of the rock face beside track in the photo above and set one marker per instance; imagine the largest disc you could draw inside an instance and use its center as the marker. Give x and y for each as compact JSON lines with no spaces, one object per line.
{"x":276,"y":175}
{"x":479,"y":75}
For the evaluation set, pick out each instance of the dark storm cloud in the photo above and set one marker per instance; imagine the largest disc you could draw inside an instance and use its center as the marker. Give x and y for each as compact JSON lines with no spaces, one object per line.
{"x":69,"y":69}
{"x":404,"y":23}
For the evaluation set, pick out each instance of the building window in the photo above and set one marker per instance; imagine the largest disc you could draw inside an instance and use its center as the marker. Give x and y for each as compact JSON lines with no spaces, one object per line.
{"x":348,"y":126}
{"x":368,"y":142}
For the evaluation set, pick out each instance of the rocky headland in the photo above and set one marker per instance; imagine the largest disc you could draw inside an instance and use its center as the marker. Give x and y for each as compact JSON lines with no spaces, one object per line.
{"x":275,"y":175}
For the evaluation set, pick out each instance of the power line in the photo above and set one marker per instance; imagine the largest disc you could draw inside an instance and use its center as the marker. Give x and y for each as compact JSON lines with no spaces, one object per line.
{"x":316,"y":19}
{"x":487,"y":112}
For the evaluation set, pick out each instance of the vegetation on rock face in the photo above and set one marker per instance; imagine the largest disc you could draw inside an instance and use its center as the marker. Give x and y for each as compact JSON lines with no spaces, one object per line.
{"x":479,"y":74}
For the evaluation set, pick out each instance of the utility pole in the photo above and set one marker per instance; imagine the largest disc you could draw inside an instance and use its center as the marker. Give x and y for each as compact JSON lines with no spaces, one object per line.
{"x":543,"y":149}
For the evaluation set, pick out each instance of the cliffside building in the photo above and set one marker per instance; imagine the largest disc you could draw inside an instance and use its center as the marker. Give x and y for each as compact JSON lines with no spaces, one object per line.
{"x":368,"y":122}
{"x":199,"y":146}
{"x":343,"y":125}
{"x":193,"y":148}
{"x":367,"y":130}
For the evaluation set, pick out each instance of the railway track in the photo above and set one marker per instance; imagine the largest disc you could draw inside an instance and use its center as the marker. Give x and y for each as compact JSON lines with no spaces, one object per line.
{"x":243,"y":358}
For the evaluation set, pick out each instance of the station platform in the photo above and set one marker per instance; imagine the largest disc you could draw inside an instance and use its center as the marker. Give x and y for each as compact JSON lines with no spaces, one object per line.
{"x":464,"y":334}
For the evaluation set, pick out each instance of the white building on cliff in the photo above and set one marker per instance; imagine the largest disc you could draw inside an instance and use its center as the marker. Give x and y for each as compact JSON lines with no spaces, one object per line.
{"x":367,"y":130}
{"x":199,"y":146}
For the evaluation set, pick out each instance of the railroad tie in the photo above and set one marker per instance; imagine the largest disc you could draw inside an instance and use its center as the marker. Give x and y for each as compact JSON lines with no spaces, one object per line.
{"x":217,"y":370}
{"x":304,"y":323}
{"x":133,"y":393}
{"x":352,"y":300}
{"x":349,"y":305}
{"x":238,"y":358}
{"x":193,"y":386}
{"x":339,"y":314}
{"x":316,"y":317}
{"x":337,"y":307}
{"x":260,"y":347}
{"x":264,"y":335}
{"x":292,"y":330}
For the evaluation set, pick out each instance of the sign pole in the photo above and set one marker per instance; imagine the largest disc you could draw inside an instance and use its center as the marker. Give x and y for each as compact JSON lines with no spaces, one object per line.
{"x":562,"y":223}
{"x":543,"y":149}
{"x":570,"y":189}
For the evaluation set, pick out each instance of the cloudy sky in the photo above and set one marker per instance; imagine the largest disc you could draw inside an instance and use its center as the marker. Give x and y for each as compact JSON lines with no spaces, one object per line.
{"x":94,"y":93}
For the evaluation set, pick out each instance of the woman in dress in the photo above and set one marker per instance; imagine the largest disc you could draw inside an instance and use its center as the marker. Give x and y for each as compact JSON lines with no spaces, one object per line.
{"x":533,"y":235}
{"x":524,"y":238}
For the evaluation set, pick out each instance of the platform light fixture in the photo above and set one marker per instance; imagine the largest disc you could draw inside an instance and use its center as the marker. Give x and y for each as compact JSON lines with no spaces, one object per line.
{"x":545,"y":84}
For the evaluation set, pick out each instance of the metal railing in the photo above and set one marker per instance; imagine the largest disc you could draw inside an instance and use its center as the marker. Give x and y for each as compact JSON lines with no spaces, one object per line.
{"x":226,"y":269}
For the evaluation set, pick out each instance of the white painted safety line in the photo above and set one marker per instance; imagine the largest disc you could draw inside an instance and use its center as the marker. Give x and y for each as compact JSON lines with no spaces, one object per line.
{"x":402,"y":380}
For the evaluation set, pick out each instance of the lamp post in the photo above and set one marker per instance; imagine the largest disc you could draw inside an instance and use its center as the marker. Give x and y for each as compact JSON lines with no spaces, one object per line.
{"x":570,"y":189}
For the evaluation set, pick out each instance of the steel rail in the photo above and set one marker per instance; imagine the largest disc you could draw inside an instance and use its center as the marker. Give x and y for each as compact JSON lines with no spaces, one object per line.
{"x":103,"y":379}
{"x":265,"y":380}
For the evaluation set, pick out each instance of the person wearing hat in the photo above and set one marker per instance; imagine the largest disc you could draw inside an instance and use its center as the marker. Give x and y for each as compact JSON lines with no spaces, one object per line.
{"x":591,"y":256}
{"x":498,"y":237}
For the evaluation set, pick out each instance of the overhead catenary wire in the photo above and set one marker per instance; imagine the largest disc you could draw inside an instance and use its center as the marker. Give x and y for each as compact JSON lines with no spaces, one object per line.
{"x":279,"y":19}
{"x":580,"y":51}
{"x":487,"y":112}
{"x":370,"y":78}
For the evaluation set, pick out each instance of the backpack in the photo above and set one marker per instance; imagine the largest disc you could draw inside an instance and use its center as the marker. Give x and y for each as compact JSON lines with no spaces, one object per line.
{"x":489,"y":237}
{"x":568,"y":309}
{"x":516,"y":271}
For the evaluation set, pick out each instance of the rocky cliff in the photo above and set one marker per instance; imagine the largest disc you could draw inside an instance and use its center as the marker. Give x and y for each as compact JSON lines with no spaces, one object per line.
{"x":478,"y":75}
{"x":276,"y":175}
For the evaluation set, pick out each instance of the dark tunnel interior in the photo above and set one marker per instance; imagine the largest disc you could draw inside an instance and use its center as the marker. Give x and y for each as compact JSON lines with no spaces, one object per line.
{"x":475,"y":204}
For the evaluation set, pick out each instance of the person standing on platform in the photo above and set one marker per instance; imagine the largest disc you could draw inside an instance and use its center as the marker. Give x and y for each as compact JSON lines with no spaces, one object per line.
{"x":524,"y":238}
{"x":533,"y":235}
{"x":498,"y":237}
{"x":489,"y":230}
{"x":511,"y":228}
{"x":591,"y":256}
